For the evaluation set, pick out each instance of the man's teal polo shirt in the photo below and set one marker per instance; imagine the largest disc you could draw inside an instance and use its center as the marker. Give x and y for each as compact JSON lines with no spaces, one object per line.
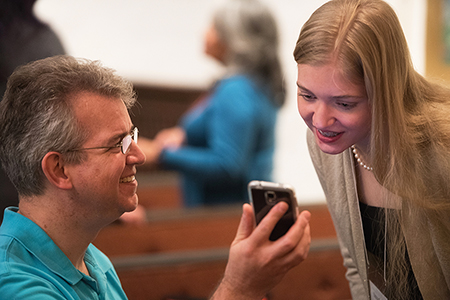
{"x":33,"y":267}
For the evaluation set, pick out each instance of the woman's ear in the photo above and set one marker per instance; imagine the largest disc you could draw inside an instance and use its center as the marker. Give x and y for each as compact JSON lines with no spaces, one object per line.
{"x":54,"y":169}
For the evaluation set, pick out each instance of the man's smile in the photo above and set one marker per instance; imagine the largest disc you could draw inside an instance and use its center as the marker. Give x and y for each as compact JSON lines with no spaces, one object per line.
{"x":127,"y":179}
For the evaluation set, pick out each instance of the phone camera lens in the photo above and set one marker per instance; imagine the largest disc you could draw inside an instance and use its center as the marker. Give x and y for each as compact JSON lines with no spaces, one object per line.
{"x":271,"y":197}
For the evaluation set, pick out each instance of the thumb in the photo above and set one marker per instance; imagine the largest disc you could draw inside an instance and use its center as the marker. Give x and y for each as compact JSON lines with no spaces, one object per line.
{"x":246,"y":225}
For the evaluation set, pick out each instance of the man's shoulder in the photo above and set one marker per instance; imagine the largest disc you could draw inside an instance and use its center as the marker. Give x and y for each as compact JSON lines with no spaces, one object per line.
{"x":21,"y":281}
{"x":12,"y":250}
{"x":21,"y":269}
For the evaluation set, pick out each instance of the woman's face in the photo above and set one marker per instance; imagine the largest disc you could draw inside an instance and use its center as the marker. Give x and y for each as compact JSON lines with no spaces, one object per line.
{"x":334,"y":108}
{"x":214,"y":47}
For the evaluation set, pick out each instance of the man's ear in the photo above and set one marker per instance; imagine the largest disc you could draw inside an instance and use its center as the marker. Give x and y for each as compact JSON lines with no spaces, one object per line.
{"x":53,"y":166}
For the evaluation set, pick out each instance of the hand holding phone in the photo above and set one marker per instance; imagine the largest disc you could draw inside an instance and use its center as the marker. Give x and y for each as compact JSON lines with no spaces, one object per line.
{"x":264,"y":195}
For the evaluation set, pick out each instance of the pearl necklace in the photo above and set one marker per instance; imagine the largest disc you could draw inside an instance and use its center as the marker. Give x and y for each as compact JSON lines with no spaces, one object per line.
{"x":358,"y":159}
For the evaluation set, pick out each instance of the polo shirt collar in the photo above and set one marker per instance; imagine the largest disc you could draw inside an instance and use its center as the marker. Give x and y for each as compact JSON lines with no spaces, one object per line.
{"x":37,"y":242}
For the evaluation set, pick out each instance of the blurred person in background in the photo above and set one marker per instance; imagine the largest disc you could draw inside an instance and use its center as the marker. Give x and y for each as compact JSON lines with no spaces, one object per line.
{"x":23,"y":38}
{"x":227,"y":138}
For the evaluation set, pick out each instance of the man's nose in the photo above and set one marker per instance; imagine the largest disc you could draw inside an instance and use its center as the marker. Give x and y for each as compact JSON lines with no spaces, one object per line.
{"x":136,"y":156}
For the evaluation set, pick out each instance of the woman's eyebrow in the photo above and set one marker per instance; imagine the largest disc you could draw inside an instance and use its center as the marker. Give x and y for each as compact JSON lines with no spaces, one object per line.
{"x":303,"y":88}
{"x":338,"y":97}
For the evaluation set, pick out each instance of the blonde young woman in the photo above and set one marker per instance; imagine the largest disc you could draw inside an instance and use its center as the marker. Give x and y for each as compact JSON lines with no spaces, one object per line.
{"x":380,"y":142}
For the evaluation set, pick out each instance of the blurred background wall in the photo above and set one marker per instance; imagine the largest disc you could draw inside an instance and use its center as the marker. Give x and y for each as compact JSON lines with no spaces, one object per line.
{"x":160,"y":43}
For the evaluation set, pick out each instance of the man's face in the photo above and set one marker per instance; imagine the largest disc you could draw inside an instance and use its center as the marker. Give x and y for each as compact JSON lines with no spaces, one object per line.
{"x":104,"y":184}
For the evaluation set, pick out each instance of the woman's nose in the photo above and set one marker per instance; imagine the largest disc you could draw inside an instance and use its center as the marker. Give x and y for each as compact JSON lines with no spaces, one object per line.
{"x":323,"y":116}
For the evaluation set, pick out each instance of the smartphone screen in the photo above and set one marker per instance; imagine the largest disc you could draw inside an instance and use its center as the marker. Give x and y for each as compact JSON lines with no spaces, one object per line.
{"x":264,"y":195}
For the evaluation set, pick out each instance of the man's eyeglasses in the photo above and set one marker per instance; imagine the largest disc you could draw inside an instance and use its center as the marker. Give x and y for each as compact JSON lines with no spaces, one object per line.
{"x":124,"y":144}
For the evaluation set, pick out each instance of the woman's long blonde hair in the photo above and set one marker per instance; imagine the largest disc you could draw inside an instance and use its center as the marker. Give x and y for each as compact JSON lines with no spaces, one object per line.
{"x":410,"y":136}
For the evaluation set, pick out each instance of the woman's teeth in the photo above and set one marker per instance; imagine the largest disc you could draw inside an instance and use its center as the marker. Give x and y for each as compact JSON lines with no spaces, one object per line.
{"x":127,"y":179}
{"x":328,"y":133}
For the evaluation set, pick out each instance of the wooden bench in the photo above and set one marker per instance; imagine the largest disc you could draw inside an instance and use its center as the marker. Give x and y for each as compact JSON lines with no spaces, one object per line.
{"x":190,"y":229}
{"x":196,"y":273}
{"x":158,"y":189}
{"x":184,"y":253}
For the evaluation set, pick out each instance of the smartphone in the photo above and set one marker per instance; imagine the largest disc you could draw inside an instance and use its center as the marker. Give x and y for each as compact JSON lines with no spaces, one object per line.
{"x":264,"y":195}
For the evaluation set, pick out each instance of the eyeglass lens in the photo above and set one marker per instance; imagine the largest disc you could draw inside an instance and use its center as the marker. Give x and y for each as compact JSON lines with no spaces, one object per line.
{"x":126,"y":142}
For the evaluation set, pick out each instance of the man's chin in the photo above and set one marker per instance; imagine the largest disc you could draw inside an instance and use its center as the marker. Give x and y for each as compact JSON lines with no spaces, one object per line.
{"x":132,"y":204}
{"x":136,"y":215}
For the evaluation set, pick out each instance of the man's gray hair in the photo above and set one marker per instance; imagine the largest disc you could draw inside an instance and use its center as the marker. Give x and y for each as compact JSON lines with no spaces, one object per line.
{"x":36,"y":114}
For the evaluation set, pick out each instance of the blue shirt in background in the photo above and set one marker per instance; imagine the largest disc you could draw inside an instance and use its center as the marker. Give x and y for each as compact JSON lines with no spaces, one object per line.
{"x":230,"y":141}
{"x":33,"y":267}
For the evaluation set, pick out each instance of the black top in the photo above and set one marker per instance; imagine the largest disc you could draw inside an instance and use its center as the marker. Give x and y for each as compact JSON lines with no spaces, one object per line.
{"x":23,"y":38}
{"x":373,"y":220}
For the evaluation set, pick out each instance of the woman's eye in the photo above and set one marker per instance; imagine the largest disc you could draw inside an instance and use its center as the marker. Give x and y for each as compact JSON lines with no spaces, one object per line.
{"x":346,"y":105}
{"x":307,"y":97}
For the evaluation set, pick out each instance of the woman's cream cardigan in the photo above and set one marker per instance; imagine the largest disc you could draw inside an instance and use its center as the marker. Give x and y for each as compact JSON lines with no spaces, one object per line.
{"x":427,"y":238}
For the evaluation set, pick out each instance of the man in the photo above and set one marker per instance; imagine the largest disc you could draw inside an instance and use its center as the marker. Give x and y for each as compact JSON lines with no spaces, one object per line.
{"x":69,"y":146}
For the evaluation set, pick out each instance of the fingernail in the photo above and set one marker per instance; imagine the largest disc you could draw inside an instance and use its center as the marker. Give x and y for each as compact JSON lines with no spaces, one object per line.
{"x":307,"y":215}
{"x":283,"y":206}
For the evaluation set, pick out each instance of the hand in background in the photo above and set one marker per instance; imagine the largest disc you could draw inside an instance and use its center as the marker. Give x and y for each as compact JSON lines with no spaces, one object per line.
{"x":151,"y":148}
{"x":256,"y":264}
{"x":172,"y":138}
